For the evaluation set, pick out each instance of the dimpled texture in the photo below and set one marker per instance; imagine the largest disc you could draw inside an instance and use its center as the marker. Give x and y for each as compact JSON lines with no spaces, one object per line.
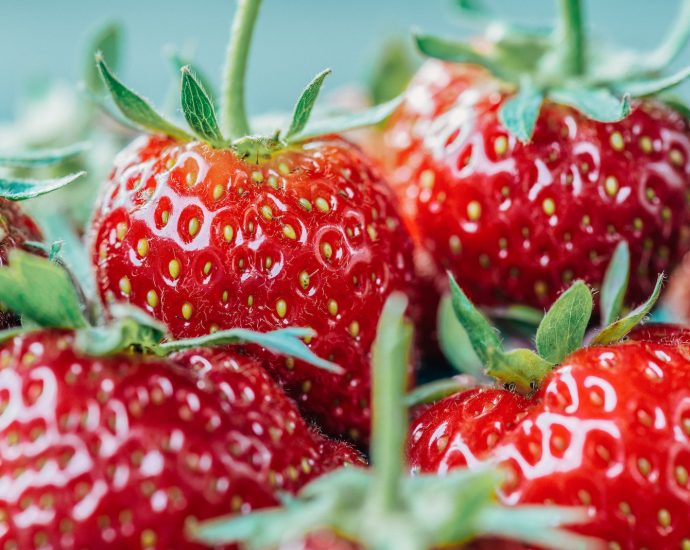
{"x":310,"y":238}
{"x":16,"y":228}
{"x":124,"y":452}
{"x":609,"y":429}
{"x":515,"y":223}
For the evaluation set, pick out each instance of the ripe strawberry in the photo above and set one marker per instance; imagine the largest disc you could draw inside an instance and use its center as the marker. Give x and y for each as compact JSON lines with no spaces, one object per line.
{"x":518,"y":188}
{"x":125,"y":451}
{"x":256,"y":232}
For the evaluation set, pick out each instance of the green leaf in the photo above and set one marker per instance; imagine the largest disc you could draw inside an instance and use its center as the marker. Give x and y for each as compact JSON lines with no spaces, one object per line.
{"x":520,"y":113}
{"x":16,"y":189}
{"x":41,"y":291}
{"x":677,"y":104}
{"x":198,"y":109}
{"x":43,"y":157}
{"x":598,"y":104}
{"x":136,"y":108}
{"x":179,"y":61}
{"x":615,"y":284}
{"x":338,"y":123}
{"x":517,"y":313}
{"x":521,"y":369}
{"x":9,"y":333}
{"x":107,"y":40}
{"x":305,"y":104}
{"x":562,"y":330}
{"x":651,"y":86}
{"x":285,"y":341}
{"x":617,"y":330}
{"x":454,"y":342}
{"x":392,"y":71}
{"x":482,"y":335}
{"x":437,"y":390}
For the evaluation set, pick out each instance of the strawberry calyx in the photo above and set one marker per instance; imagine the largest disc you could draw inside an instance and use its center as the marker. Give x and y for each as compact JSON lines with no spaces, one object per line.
{"x":44,"y":294}
{"x":233,"y":129}
{"x":382,"y":507}
{"x":561,"y":330}
{"x":561,"y":65}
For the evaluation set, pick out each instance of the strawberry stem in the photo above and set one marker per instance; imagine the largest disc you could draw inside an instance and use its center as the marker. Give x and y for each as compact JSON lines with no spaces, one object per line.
{"x":573,"y":36}
{"x":233,"y":108}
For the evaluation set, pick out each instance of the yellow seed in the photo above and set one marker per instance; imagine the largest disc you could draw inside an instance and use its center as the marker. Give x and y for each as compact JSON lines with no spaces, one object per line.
{"x":305,"y":204}
{"x":190,"y":179}
{"x":637,"y":223}
{"x":665,"y":213}
{"x":193,"y":226}
{"x":644,"y":466}
{"x":228,"y":232}
{"x":143,"y":247}
{"x":664,"y":517}
{"x":353,"y":329}
{"x":681,"y":476}
{"x":165,"y":216}
{"x":281,"y":308}
{"x":207,"y":268}
{"x":326,"y":250}
{"x":273,"y":182}
{"x":187,"y":311}
{"x":611,"y":186}
{"x":304,"y":280}
{"x":540,"y":288}
{"x":501,"y":145}
{"x":625,"y":509}
{"x":268,"y":262}
{"x":224,"y":296}
{"x":322,"y":205}
{"x":250,"y":300}
{"x":218,"y":191}
{"x":474,"y":211}
{"x":174,"y":268}
{"x":257,"y":177}
{"x":289,"y":231}
{"x":426,"y":179}
{"x":685,"y":544}
{"x":676,"y":157}
{"x":332,"y":307}
{"x":170,"y":163}
{"x":455,"y":244}
{"x":586,"y":220}
{"x":121,"y":230}
{"x":371,"y":231}
{"x":617,"y":142}
{"x":148,"y":538}
{"x":125,"y":286}
{"x":646,"y":144}
{"x":152,"y":298}
{"x":549,"y":207}
{"x":266,"y":212}
{"x":283,"y":169}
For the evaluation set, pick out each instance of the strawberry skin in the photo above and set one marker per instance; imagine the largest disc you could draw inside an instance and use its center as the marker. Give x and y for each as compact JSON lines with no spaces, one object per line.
{"x":125,"y":452}
{"x":311,"y":237}
{"x":515,"y":223}
{"x":609,"y":429}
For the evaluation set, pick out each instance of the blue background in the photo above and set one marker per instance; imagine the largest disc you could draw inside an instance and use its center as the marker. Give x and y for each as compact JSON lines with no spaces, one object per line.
{"x":295,"y":38}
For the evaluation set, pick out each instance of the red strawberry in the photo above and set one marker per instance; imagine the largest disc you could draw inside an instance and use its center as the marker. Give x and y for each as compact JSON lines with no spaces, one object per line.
{"x":256,"y":232}
{"x":508,"y":185}
{"x":125,"y":451}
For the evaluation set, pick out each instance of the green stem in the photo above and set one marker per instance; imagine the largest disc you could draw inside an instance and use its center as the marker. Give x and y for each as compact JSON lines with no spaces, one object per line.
{"x":233,"y":108}
{"x":573,"y":35}
{"x":390,"y":358}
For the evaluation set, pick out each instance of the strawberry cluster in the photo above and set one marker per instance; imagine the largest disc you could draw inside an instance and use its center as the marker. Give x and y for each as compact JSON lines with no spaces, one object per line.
{"x":233,"y":358}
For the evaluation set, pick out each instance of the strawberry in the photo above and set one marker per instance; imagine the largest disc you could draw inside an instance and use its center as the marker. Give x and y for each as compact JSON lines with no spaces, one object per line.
{"x":605,"y":426}
{"x":519,"y":169}
{"x":105,"y":448}
{"x":259,"y":232}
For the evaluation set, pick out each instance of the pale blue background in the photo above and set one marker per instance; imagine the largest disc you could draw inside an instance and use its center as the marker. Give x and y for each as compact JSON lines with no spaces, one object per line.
{"x":296,"y":38}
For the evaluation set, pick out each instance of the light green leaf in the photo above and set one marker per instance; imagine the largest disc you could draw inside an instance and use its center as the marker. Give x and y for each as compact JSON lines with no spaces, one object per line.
{"x":42,"y":157}
{"x":517,"y":313}
{"x":107,"y":40}
{"x":41,"y":291}
{"x":136,"y":108}
{"x":520,"y":113}
{"x":392,"y":71}
{"x":179,"y":61}
{"x":305,"y":104}
{"x":617,"y":330}
{"x":563,"y":328}
{"x":437,"y":390}
{"x":337,"y":123}
{"x":284,"y":341}
{"x":615,"y":284}
{"x":652,"y":86}
{"x":598,"y":104}
{"x":677,"y":104}
{"x":198,"y":109}
{"x":16,"y":189}
{"x":521,"y":368}
{"x":454,"y":342}
{"x":482,"y":335}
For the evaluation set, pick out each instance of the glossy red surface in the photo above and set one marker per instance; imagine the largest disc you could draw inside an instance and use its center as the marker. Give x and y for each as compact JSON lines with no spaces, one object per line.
{"x":514,"y":222}
{"x":311,"y":237}
{"x":609,"y":429}
{"x":124,"y":452}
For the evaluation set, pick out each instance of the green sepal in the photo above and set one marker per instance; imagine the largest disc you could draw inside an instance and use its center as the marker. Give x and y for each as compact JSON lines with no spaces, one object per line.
{"x":341,"y":122}
{"x":519,"y":369}
{"x":438,"y":389}
{"x":13,"y":332}
{"x":483,"y":337}
{"x":562,"y":330}
{"x":198,"y":110}
{"x":43,"y":157}
{"x":598,"y":103}
{"x":651,"y":86}
{"x":41,"y":291}
{"x":677,"y":105}
{"x":285,"y":341}
{"x":107,"y":40}
{"x":454,"y":342}
{"x":617,"y":330}
{"x":18,"y":189}
{"x":392,"y":71}
{"x":516,"y":314}
{"x":615,"y":284}
{"x":135,"y":108}
{"x":179,"y":61}
{"x":305,"y":105}
{"x":519,"y":114}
